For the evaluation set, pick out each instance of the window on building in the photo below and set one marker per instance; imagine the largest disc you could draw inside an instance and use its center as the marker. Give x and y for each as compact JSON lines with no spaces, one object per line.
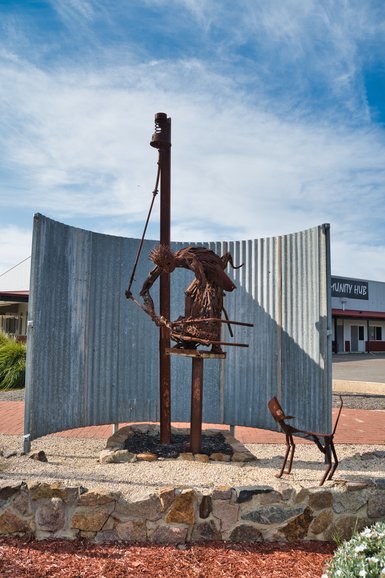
{"x":375,"y":333}
{"x":361,"y":333}
{"x":11,"y":325}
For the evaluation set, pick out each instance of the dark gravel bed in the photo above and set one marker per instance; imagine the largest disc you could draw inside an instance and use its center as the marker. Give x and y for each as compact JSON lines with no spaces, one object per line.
{"x":351,"y":400}
{"x":140,"y":442}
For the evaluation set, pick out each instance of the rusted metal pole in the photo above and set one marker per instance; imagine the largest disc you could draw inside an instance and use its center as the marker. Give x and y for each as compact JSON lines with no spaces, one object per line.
{"x":196,"y":405}
{"x":161,"y":140}
{"x":164,"y":341}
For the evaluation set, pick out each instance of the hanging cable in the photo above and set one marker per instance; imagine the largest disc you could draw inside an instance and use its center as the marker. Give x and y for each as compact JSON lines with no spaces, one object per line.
{"x":154,"y":193}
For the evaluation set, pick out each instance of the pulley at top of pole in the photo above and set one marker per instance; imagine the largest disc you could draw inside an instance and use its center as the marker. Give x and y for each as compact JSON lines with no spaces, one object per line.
{"x":161,"y":139}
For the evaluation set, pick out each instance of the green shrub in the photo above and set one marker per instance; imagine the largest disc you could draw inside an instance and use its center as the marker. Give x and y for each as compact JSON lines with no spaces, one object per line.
{"x":362,"y":556}
{"x":12,"y":364}
{"x":3,"y":338}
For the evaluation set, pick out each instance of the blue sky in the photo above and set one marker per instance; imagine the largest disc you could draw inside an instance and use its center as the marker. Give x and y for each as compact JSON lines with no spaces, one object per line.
{"x":278,"y":119}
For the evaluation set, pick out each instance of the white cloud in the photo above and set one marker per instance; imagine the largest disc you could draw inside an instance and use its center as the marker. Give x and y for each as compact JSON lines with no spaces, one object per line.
{"x":352,"y":258}
{"x":15,"y":246}
{"x":75,"y":138}
{"x":84,"y":152}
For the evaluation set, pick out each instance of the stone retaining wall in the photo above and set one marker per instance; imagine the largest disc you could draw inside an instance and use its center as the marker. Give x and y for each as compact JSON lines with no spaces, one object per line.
{"x":172,"y":515}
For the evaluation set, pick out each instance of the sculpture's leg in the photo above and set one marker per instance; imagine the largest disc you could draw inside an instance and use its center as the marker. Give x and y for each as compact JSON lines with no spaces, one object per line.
{"x":335,"y":460}
{"x":216,"y":349}
{"x":216,"y":311}
{"x":288,"y":448}
{"x":291,"y":455}
{"x":188,"y":302}
{"x":328,"y":457}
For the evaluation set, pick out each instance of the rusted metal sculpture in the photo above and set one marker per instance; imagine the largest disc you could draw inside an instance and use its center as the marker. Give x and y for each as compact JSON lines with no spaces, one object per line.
{"x":161,"y":140}
{"x":201,"y":323}
{"x":324,"y":442}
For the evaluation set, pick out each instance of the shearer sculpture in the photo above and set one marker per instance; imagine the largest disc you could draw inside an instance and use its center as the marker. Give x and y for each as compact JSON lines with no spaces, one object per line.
{"x":201,"y":323}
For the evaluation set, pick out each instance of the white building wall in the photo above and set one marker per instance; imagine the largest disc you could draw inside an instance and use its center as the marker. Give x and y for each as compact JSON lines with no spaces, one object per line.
{"x":352,"y":334}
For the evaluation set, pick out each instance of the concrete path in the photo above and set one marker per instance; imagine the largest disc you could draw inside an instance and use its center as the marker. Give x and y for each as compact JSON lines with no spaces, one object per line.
{"x":359,"y":373}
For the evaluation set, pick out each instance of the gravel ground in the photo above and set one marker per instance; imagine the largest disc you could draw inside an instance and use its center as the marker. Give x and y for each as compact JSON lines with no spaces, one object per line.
{"x":12,"y":395}
{"x":359,"y":401}
{"x":73,"y":461}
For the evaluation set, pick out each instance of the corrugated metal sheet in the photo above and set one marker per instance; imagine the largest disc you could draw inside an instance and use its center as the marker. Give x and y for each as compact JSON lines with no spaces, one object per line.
{"x":93,"y":355}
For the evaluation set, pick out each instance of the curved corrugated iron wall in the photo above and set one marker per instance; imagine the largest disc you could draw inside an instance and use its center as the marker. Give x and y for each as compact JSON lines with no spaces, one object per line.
{"x":93,"y":356}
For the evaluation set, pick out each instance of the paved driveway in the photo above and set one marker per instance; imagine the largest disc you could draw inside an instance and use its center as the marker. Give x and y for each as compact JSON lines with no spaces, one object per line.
{"x":359,"y":367}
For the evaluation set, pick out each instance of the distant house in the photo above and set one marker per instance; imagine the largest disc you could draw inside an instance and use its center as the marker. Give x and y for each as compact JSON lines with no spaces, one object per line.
{"x":14,"y":293}
{"x":358,"y":311}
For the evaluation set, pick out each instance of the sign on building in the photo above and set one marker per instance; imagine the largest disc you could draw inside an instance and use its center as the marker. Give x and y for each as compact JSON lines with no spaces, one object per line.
{"x":350,"y":288}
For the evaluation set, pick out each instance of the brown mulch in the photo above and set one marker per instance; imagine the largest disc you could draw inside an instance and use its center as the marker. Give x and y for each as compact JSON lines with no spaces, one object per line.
{"x":21,"y":558}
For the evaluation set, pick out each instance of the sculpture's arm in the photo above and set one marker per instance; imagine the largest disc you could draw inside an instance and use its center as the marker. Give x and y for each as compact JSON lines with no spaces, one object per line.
{"x":148,"y":306}
{"x":145,"y":293}
{"x":152,"y":277}
{"x":196,"y":266}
